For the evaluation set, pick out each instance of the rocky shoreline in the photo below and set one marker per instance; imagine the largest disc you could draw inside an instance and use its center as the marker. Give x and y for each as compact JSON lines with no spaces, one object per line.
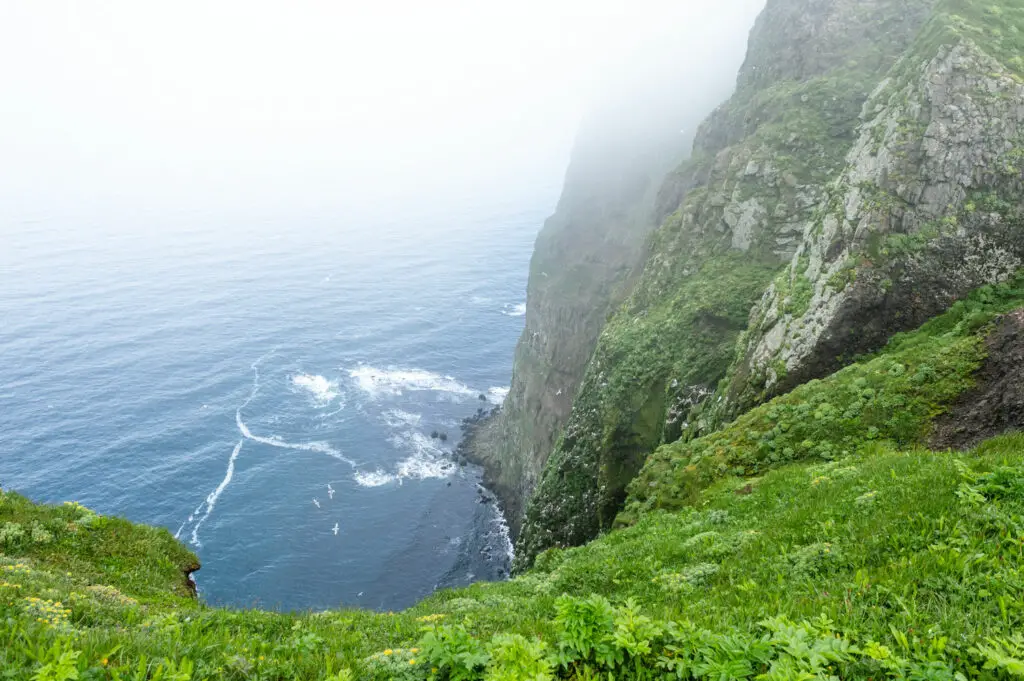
{"x":477,"y":446}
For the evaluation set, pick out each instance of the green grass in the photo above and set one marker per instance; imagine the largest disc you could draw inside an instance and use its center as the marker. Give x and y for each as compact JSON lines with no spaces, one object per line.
{"x":921,"y":552}
{"x":893,"y":396}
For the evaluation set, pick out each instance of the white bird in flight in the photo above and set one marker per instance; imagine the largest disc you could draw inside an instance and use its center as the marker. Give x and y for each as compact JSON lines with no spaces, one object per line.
{"x":335,"y":529}
{"x":330,"y":491}
{"x":316,"y":503}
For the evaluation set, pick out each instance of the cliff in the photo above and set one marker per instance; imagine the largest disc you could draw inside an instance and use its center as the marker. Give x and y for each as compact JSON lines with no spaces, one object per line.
{"x":586,"y":256}
{"x":863,"y":177}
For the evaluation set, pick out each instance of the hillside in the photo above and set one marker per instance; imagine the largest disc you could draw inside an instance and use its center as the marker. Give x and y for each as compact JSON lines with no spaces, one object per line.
{"x":856,"y":553}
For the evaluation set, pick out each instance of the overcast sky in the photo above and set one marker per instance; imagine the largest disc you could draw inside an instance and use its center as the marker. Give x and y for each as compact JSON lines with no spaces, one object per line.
{"x":279,"y":103}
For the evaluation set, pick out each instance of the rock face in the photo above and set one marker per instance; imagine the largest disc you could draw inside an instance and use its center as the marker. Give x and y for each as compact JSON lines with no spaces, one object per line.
{"x":865,"y":175}
{"x":925,"y":211}
{"x":583,"y":265}
{"x":996,"y":404}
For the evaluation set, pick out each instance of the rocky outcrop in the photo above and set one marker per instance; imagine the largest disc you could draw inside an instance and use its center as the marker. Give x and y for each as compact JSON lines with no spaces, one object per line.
{"x":927,"y":209}
{"x":996,"y":404}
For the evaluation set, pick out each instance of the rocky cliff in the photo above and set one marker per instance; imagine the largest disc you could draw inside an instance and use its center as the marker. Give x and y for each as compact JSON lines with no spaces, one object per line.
{"x":865,"y":175}
{"x":588,"y":254}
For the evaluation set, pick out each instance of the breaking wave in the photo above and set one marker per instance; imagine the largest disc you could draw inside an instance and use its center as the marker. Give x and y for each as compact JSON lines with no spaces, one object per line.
{"x":428,"y":460}
{"x":497,"y":394}
{"x":320,"y":389}
{"x":377,"y":382}
{"x":516,"y":310}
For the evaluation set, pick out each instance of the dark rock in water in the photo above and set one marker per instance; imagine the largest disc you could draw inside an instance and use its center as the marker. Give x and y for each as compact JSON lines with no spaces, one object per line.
{"x":482,"y":398}
{"x":443,"y":437}
{"x":449,"y":484}
{"x":434,"y":434}
{"x":462,"y":461}
{"x":996,"y":404}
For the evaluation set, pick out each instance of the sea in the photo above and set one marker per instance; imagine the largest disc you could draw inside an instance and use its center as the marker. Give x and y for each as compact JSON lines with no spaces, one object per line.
{"x":284,"y":394}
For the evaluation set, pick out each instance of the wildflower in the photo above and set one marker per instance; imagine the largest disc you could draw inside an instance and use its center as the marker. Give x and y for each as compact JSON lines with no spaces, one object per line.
{"x":431,"y":618}
{"x":412,"y":660}
{"x":104,"y":662}
{"x":388,"y":651}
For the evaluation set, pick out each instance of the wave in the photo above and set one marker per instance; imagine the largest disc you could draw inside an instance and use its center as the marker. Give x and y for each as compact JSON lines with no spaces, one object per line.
{"x":376,"y":382}
{"x":504,"y":536}
{"x":516,"y":310}
{"x":396,"y":418}
{"x":497,"y":394}
{"x":375,"y":478}
{"x":322,"y":390}
{"x":429,"y":460}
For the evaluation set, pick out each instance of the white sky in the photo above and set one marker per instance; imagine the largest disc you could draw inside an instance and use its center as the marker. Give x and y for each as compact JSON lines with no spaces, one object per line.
{"x":253,"y":102}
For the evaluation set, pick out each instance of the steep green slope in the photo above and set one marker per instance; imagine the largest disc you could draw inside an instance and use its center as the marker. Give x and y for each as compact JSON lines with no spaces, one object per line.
{"x":862,"y":556}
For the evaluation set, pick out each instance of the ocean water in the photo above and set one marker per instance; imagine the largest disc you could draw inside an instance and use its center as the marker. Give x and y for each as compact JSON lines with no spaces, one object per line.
{"x":266,"y":389}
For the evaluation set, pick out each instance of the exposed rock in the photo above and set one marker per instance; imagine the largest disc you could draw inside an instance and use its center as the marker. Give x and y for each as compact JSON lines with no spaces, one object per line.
{"x":996,"y":405}
{"x":926,"y":210}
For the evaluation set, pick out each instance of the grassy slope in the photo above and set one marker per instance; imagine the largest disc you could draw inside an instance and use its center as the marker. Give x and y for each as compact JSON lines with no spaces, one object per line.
{"x":894,"y":544}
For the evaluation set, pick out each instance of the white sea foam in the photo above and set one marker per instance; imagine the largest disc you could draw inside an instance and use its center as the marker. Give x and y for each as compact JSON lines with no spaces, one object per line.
{"x":428,"y":460}
{"x":504,"y":536}
{"x":420,"y":468}
{"x":211,"y":499}
{"x":374,"y":478}
{"x":517,"y":310}
{"x":376,"y":382}
{"x":322,"y":390}
{"x":275,"y":441}
{"x":497,"y":394}
{"x":396,"y":418}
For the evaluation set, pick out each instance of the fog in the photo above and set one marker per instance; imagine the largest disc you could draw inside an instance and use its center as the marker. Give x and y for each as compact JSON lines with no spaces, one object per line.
{"x":282,"y":108}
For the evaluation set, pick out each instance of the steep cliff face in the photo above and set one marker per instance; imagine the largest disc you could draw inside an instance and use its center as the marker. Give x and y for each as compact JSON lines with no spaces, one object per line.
{"x":584,"y":263}
{"x":581,"y":260}
{"x":758,"y":172}
{"x":927,"y":208}
{"x":863,"y":177}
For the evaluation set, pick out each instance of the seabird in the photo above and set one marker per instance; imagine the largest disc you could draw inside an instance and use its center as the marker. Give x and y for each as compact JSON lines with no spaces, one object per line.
{"x":316,"y":503}
{"x":330,"y":491}
{"x":335,"y":529}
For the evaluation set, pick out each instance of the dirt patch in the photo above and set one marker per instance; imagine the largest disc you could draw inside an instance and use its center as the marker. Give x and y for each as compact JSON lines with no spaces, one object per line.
{"x":996,"y":404}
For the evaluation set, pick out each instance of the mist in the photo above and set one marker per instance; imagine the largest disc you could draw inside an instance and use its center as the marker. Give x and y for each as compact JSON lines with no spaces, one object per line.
{"x":269,"y":108}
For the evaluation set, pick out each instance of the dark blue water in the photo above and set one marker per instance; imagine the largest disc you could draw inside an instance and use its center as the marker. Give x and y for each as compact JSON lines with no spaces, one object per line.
{"x":266,"y":388}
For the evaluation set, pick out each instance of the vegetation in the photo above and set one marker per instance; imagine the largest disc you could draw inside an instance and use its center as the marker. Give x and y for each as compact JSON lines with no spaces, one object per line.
{"x":893,"y":396}
{"x":801,"y":573}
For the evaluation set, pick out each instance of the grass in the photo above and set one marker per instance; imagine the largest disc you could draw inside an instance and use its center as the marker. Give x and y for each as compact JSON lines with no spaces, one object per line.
{"x":893,"y":396}
{"x":910,"y":550}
